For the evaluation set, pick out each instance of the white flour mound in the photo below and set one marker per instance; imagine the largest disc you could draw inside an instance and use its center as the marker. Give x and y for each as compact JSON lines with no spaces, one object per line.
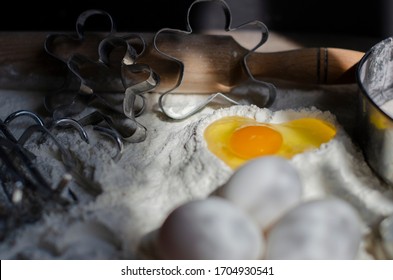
{"x":172,"y":166}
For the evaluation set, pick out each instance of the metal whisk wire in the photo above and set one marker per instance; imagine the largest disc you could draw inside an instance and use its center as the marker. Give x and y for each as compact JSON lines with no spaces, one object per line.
{"x":25,"y":192}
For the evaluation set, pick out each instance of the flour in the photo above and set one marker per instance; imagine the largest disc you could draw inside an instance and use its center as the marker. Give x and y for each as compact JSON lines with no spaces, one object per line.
{"x":387,"y":107}
{"x":172,"y":166}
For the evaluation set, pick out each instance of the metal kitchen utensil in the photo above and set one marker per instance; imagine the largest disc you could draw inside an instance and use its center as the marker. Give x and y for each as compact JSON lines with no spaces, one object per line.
{"x":255,"y":94}
{"x":11,"y":149}
{"x":53,"y":124}
{"x":112,"y":86}
{"x":375,"y":79}
{"x":25,"y":192}
{"x":26,"y":158}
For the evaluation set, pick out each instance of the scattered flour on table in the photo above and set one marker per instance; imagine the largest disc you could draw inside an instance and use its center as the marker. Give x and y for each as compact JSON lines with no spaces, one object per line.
{"x":172,"y":166}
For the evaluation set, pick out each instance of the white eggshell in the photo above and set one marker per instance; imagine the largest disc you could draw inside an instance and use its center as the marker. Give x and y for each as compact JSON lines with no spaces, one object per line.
{"x":265,"y":187}
{"x":208,"y":229}
{"x":325,"y":229}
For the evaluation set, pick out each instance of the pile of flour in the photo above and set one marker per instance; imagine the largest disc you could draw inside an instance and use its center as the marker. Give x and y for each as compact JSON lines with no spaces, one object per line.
{"x":172,"y":166}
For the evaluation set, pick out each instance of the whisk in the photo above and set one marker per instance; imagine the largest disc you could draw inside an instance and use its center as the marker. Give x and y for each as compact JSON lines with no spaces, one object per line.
{"x":25,"y":191}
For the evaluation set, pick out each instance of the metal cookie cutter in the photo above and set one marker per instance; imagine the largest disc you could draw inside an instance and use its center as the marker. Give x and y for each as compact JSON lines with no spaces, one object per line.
{"x":112,"y":87}
{"x":256,"y":89}
{"x":64,"y":46}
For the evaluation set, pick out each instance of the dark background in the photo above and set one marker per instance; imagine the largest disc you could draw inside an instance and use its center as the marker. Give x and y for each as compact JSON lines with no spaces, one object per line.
{"x":358,"y":18}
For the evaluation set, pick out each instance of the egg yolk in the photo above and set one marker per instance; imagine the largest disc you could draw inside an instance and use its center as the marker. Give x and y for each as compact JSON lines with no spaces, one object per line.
{"x":238,"y":139}
{"x":253,"y":141}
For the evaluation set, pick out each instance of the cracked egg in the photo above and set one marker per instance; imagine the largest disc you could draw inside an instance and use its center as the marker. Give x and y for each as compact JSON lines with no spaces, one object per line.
{"x":236,"y":139}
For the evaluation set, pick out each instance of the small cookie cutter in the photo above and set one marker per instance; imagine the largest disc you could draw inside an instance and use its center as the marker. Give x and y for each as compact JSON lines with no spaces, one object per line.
{"x":256,"y":94}
{"x":111,"y":88}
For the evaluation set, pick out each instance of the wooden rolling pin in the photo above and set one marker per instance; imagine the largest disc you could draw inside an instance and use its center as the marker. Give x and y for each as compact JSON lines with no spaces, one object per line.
{"x":212,"y":62}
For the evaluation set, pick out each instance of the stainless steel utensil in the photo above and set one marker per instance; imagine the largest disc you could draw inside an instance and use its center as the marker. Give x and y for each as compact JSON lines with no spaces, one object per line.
{"x":375,"y":131}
